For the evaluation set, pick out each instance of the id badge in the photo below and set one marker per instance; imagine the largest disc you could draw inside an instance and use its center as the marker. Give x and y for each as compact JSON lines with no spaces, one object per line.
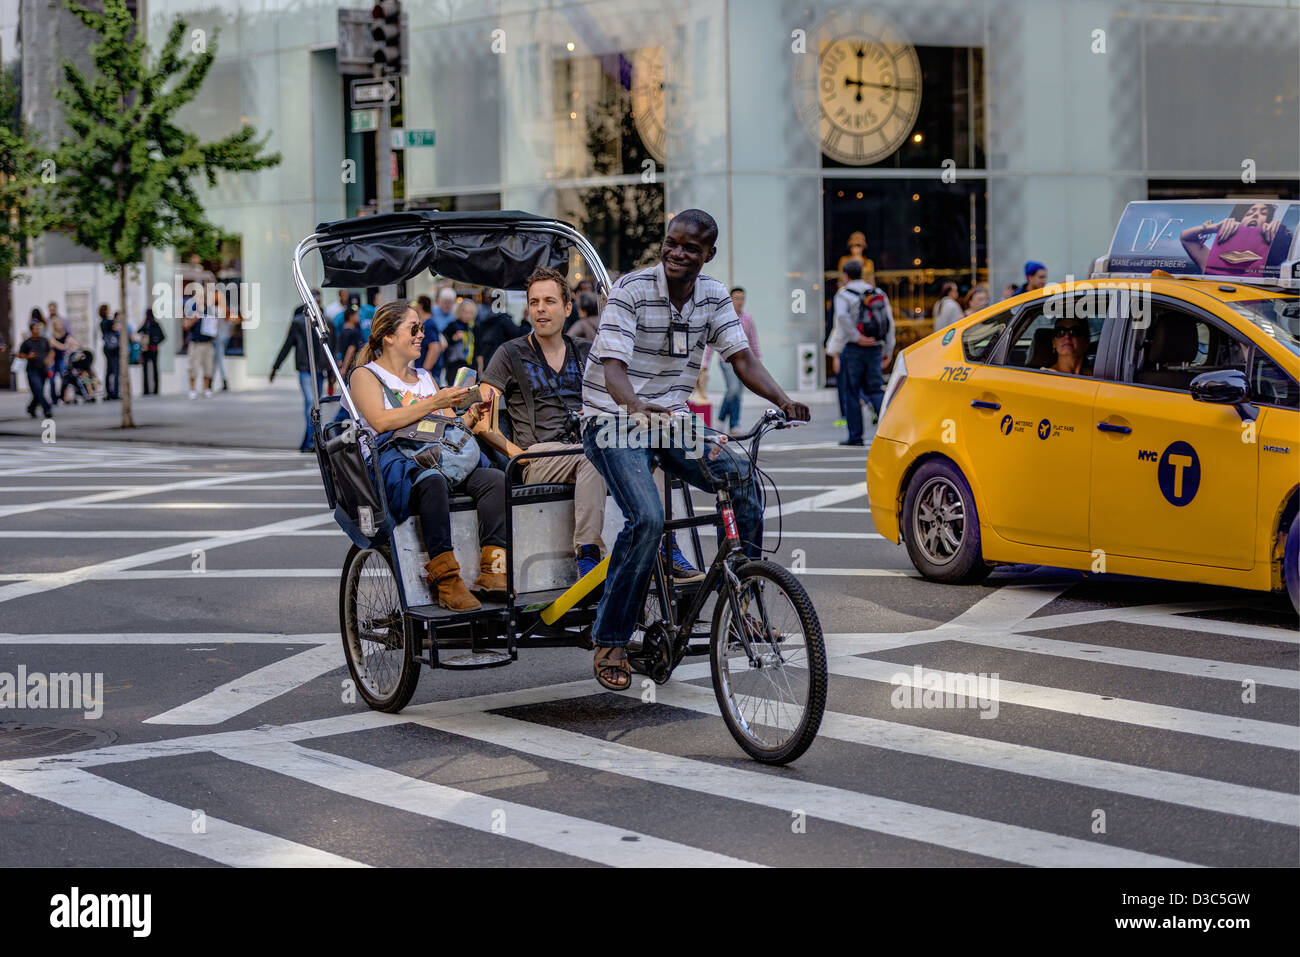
{"x":679,"y":336}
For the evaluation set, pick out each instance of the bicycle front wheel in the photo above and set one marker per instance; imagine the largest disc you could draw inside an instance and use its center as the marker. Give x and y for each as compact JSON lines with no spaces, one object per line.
{"x":773,"y":701}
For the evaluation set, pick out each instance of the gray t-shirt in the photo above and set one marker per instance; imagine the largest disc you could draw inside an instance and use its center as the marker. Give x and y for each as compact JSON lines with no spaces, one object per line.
{"x":517,"y":360}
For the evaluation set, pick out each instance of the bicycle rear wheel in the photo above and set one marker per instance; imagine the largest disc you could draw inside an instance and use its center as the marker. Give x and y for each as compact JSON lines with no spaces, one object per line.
{"x":380,"y":658}
{"x":773,"y":705}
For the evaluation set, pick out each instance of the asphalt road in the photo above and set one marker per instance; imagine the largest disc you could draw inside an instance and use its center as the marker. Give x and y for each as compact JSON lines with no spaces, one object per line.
{"x":1133,"y":722}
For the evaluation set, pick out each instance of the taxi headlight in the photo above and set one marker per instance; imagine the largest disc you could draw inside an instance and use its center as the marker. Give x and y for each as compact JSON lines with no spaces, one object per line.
{"x":895,"y":383}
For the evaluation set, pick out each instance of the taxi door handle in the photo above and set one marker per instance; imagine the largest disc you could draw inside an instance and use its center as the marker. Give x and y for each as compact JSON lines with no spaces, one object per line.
{"x":981,"y":404}
{"x":1109,"y":427}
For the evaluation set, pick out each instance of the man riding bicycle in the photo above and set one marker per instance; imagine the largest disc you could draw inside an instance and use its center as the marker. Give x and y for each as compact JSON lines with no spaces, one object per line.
{"x":645,"y":361}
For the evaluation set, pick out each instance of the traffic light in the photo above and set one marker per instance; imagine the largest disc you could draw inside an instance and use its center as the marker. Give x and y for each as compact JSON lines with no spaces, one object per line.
{"x":386,"y":29}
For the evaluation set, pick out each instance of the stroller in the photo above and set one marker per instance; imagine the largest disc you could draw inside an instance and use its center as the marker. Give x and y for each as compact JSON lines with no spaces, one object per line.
{"x":80,"y":378}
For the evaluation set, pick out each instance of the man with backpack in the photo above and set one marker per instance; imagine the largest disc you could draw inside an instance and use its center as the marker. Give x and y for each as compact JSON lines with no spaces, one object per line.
{"x":866,"y":322}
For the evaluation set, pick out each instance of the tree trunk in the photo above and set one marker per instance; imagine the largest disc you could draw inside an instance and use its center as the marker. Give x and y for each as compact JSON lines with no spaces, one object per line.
{"x":124,"y":353}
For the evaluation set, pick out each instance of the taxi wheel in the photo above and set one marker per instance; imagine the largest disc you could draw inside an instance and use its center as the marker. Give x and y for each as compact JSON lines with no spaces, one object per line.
{"x":941,"y":525}
{"x":1291,"y":563}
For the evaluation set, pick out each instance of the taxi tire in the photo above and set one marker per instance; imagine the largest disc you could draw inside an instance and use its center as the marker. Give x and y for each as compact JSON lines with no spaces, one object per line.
{"x":1291,"y":563}
{"x":967,"y":567}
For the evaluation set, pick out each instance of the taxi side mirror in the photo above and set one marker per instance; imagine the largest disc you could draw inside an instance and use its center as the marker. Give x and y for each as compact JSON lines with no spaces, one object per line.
{"x":1225,"y":387}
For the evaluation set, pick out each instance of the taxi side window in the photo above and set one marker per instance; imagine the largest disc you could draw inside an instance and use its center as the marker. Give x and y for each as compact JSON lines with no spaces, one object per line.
{"x":1032,"y":345}
{"x":1177,"y":347}
{"x":977,"y":341}
{"x":1270,"y":385}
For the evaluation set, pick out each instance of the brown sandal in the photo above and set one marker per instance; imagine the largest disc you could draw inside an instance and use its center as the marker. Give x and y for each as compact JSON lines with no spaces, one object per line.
{"x":611,"y":673}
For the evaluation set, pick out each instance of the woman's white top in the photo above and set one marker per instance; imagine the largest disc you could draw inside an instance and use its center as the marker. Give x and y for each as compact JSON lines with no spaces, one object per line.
{"x":410,"y":392}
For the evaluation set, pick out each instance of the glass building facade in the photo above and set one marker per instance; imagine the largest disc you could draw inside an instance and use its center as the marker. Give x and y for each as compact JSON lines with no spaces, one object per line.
{"x":960,"y":138}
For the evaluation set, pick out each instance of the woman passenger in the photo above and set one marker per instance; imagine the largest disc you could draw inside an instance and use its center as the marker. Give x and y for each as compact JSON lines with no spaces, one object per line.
{"x":385,"y":364}
{"x":1070,"y":347}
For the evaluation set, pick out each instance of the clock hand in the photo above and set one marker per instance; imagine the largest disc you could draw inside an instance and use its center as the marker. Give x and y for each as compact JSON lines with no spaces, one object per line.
{"x":890,"y":86}
{"x":861,"y":55}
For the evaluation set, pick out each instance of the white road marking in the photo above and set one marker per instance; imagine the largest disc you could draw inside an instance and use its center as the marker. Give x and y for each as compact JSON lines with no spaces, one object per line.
{"x":170,"y":638}
{"x":1220,"y":797}
{"x":167,"y":823}
{"x":164,"y":553}
{"x":167,"y":533}
{"x":205,"y":506}
{"x":1166,"y":619}
{"x":255,"y":688}
{"x":788,"y":533}
{"x":842,"y":493}
{"x":1141,"y":713}
{"x":314,"y":487}
{"x":8,"y":510}
{"x":857,"y":572}
{"x":575,"y":836}
{"x":958,"y":832}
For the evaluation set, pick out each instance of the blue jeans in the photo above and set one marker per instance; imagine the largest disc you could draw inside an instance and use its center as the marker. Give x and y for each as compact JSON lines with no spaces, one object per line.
{"x":304,"y":383}
{"x":627,"y":474}
{"x":860,"y":370}
{"x":729,"y":411}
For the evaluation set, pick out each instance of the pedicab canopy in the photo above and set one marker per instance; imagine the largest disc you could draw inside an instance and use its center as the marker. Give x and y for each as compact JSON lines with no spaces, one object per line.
{"x":1242,"y":240}
{"x":497,"y":248}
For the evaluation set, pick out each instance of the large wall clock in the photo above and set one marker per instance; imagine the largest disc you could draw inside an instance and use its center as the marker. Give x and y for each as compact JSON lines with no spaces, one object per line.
{"x":649,"y":102}
{"x":860,"y":87}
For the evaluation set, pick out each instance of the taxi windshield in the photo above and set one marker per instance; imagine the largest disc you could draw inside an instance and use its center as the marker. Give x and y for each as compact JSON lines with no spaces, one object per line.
{"x":1279,"y":317}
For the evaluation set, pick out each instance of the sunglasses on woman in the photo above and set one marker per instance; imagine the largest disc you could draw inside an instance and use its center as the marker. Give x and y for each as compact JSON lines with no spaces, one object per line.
{"x":1061,"y":332}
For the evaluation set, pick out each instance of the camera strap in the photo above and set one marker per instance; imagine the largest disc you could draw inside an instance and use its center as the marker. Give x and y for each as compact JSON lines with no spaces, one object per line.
{"x":550,"y":376}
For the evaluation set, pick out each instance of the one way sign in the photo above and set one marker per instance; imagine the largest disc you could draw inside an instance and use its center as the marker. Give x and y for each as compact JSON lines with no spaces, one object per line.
{"x":374,"y":93}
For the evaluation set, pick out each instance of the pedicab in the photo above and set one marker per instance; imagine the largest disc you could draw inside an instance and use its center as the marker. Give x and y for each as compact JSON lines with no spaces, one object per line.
{"x":752,"y":619}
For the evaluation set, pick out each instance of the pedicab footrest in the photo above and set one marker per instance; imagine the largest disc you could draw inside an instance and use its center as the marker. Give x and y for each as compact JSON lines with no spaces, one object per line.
{"x":445,"y":616}
{"x":476,"y":659}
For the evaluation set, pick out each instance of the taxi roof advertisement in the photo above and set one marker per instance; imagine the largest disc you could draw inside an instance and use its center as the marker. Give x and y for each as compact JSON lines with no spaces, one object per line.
{"x":1241,"y":239}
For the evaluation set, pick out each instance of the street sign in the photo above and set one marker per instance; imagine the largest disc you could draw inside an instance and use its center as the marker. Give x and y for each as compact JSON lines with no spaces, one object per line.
{"x":411,"y":139}
{"x":375,"y":93}
{"x":355,"y":53}
{"x":363,"y":121}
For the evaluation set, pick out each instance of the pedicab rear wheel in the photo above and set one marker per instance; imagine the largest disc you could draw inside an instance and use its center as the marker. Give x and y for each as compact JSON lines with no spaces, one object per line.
{"x":380,"y":655}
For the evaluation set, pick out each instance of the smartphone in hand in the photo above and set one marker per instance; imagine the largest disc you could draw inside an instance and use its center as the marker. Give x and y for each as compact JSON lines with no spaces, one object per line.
{"x":465,"y":377}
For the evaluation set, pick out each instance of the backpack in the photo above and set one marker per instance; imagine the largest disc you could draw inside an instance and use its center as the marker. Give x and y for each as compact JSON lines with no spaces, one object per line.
{"x":873,"y":322}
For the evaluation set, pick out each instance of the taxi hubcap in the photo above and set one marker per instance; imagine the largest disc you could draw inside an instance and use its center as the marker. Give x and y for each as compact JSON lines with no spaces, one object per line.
{"x":939,"y":520}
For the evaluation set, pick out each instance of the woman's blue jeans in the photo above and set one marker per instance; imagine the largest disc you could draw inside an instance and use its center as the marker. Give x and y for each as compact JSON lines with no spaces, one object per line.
{"x":627,"y":474}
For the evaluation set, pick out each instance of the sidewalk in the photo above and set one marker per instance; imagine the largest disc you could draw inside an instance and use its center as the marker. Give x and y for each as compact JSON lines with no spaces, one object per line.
{"x":269,"y":418}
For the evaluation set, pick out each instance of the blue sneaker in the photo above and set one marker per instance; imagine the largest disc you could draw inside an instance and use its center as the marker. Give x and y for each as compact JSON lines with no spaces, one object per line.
{"x":681,"y":569}
{"x":588,"y":558}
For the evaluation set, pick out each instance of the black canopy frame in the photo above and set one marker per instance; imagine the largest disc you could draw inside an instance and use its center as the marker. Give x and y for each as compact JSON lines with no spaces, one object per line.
{"x":499,"y":249}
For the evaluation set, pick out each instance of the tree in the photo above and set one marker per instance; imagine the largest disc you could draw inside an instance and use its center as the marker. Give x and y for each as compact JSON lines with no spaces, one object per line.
{"x":126,"y":169}
{"x":23,"y":210}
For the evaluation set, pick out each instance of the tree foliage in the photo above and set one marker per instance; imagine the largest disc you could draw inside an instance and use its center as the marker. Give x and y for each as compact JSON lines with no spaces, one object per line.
{"x":23,"y":209}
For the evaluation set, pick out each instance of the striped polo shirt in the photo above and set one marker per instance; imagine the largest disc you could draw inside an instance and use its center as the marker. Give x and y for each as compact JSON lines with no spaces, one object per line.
{"x":634,"y":327}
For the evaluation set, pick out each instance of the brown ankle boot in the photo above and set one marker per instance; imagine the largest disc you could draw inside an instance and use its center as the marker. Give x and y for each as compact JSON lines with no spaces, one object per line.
{"x":443,"y":573}
{"x":491,"y":581}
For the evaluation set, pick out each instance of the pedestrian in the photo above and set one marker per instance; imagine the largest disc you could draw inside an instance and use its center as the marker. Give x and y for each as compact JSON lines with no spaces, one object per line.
{"x":1035,"y":277}
{"x":225,"y":329}
{"x":730,"y":408}
{"x":36,"y":350}
{"x":459,"y":336}
{"x":947,"y":309}
{"x":297,"y":338}
{"x":431,"y":345}
{"x":367,"y":312}
{"x":334,"y":311}
{"x":834,"y":346}
{"x":151,"y":332}
{"x":491,"y":334}
{"x":202,"y":327}
{"x":63,"y":344}
{"x":645,"y":361}
{"x":976,"y":299}
{"x":111,"y":339}
{"x":588,"y":321}
{"x":864,"y":314}
{"x":351,"y":340}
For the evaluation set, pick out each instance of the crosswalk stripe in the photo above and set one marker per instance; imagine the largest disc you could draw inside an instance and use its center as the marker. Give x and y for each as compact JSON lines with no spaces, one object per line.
{"x":1155,"y":716}
{"x":255,"y":688}
{"x":575,"y":836}
{"x":167,"y":823}
{"x":1158,"y":619}
{"x":958,"y":832}
{"x":166,"y":533}
{"x":171,"y":638}
{"x":1218,"y":796}
{"x":1077,"y":651}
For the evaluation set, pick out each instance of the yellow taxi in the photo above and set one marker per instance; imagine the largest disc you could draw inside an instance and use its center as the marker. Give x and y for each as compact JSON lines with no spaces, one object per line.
{"x":1145,"y":421}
